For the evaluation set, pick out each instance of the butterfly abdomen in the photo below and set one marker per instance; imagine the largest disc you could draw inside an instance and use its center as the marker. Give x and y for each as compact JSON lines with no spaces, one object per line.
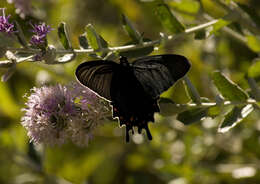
{"x":131,"y":104}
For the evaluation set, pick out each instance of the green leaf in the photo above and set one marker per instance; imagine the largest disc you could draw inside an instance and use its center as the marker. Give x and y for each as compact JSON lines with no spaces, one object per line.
{"x":254,"y":69}
{"x":236,"y":115}
{"x":228,"y":89}
{"x":83,"y":42}
{"x":192,"y":91}
{"x":219,"y":25}
{"x":253,"y":43}
{"x":20,"y":35}
{"x":93,"y":37}
{"x":188,"y":6}
{"x":169,"y":108}
{"x":96,"y":41}
{"x":214,"y":111}
{"x":63,"y":36}
{"x":137,"y":52}
{"x":168,"y":20}
{"x":130,"y":29}
{"x":193,"y":115}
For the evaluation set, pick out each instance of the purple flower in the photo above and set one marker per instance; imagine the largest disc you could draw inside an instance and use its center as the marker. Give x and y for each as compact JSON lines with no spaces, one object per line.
{"x":5,"y":26}
{"x":40,"y":33}
{"x":57,"y":113}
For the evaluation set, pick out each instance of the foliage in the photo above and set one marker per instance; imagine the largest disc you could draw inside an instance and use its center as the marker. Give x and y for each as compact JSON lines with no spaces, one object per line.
{"x":194,"y":139}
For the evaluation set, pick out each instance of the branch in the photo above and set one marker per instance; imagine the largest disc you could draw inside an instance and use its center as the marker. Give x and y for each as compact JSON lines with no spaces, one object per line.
{"x":120,"y":48}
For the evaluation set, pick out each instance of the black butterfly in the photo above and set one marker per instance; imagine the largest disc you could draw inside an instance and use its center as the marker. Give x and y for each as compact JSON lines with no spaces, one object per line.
{"x":133,"y":88}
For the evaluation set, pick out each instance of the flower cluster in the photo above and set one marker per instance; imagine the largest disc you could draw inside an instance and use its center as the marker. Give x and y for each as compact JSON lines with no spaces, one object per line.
{"x":40,"y":32}
{"x":5,"y":26}
{"x":57,"y":113}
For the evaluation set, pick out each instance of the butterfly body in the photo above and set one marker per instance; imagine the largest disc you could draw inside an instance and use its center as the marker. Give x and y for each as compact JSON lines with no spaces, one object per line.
{"x":133,"y":89}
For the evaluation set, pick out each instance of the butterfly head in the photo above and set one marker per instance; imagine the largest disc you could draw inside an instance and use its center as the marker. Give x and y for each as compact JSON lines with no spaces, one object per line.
{"x":124,"y":61}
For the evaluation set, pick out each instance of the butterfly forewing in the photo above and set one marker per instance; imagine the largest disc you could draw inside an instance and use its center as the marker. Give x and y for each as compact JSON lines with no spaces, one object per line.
{"x":97,"y":75}
{"x":158,"y":73}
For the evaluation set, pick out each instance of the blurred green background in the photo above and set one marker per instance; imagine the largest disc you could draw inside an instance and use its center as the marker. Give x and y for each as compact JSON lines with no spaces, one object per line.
{"x":177,"y":154}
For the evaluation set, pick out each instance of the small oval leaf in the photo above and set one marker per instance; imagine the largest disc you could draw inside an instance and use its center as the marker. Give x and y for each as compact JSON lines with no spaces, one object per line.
{"x":63,"y":36}
{"x":130,"y":29}
{"x":236,"y":115}
{"x":192,"y":115}
{"x":192,"y":91}
{"x":168,"y":20}
{"x":83,"y":42}
{"x":228,"y":88}
{"x":253,"y":43}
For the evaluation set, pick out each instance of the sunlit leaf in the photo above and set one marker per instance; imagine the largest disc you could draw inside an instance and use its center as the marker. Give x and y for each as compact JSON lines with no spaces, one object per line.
{"x":214,"y":111}
{"x":219,"y":25}
{"x":236,"y":115}
{"x":63,"y":36}
{"x":93,"y":38}
{"x":192,"y":91}
{"x":254,"y":70}
{"x":253,"y":43}
{"x":130,"y":29}
{"x":168,"y":20}
{"x":228,"y":88}
{"x":209,"y":6}
{"x":187,"y":6}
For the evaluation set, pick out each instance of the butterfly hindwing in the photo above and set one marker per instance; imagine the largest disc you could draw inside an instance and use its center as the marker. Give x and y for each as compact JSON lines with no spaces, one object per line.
{"x":158,"y":73}
{"x":97,"y":76}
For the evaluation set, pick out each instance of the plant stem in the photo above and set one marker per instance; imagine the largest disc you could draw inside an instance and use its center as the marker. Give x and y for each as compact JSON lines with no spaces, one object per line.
{"x":212,"y":104}
{"x":120,"y":48}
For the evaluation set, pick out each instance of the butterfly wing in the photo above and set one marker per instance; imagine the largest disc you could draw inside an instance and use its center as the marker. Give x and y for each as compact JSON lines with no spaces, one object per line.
{"x":97,"y":75}
{"x":158,"y":73}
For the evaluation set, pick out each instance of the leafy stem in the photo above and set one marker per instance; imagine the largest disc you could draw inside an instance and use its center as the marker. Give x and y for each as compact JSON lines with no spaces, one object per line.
{"x":121,"y":48}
